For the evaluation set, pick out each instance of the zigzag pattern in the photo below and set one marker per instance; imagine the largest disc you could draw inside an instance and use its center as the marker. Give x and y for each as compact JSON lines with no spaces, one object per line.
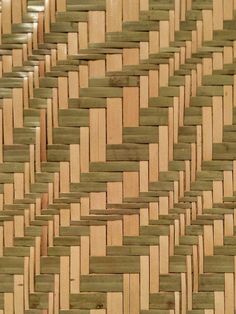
{"x":117,"y":157}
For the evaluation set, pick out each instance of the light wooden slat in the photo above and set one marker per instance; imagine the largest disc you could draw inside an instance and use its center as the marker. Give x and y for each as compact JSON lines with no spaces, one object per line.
{"x":114,"y":121}
{"x":130,"y":107}
{"x":114,"y":15}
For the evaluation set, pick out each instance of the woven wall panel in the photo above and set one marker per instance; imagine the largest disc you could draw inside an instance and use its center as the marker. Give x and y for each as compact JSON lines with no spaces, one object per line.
{"x":117,"y":157}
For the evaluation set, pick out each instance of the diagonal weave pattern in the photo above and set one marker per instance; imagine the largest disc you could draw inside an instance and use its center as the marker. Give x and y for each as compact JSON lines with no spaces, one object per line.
{"x":118,"y":157}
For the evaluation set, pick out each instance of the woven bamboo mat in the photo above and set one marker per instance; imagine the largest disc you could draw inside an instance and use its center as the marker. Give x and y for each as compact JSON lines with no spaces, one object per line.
{"x":118,"y":157}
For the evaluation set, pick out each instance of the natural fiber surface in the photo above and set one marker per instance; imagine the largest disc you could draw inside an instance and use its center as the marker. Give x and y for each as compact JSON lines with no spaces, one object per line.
{"x":117,"y":157}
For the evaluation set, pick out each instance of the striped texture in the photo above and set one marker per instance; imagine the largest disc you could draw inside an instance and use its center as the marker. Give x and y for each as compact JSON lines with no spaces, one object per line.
{"x":118,"y":157}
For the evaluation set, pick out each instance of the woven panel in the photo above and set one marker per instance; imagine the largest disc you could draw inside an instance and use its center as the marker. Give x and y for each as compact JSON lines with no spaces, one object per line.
{"x":117,"y":157}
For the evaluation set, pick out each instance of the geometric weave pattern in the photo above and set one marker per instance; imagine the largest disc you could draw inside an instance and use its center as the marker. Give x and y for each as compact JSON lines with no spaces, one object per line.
{"x":118,"y":157}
